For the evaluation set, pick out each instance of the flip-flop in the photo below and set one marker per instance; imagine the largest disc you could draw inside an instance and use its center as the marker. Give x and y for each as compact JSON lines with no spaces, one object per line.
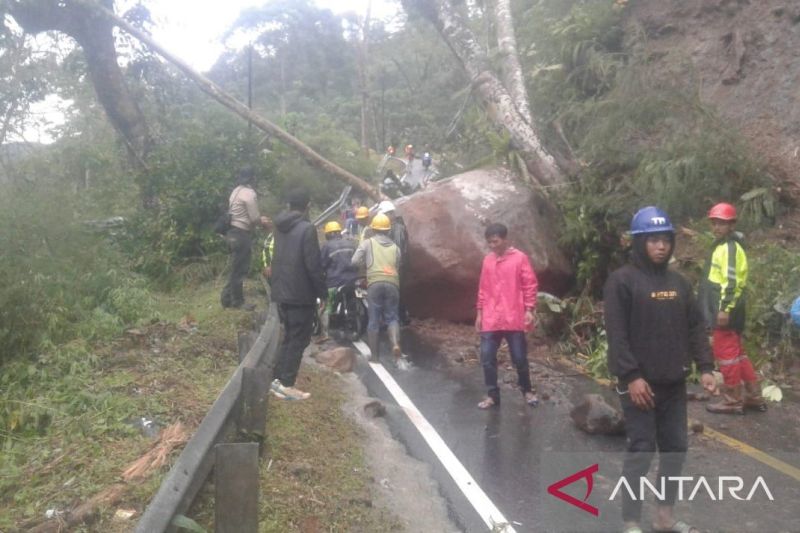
{"x":533,"y":402}
{"x":487,"y":403}
{"x":678,"y":527}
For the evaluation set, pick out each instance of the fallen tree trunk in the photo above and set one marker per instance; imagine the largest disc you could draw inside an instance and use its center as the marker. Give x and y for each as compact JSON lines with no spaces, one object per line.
{"x":218,"y":94}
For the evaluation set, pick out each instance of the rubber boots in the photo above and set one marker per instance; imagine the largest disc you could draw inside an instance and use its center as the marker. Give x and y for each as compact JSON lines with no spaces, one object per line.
{"x":752,"y":396}
{"x":731,"y":402}
{"x":394,"y":339}
{"x":373,"y":343}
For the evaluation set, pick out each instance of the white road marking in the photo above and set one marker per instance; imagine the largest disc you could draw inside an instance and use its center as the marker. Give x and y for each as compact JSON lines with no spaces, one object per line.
{"x":490,"y":514}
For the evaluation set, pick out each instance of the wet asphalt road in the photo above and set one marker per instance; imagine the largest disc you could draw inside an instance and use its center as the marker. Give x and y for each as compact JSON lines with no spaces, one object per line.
{"x":514,"y":452}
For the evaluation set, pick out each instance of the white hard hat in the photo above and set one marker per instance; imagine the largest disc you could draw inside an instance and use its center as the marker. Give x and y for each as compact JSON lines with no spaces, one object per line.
{"x":385,"y":206}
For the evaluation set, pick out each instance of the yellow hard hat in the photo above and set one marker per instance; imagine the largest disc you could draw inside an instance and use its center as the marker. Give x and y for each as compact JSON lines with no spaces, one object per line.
{"x":362,"y":212}
{"x":381,"y":222}
{"x":333,"y":227}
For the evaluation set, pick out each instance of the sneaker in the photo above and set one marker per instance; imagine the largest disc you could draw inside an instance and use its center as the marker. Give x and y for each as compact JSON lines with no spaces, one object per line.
{"x":277,"y":394}
{"x":287,"y":393}
{"x":296,"y":394}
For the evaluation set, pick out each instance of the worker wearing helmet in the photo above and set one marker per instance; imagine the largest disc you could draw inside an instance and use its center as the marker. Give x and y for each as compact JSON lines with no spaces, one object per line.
{"x":655,"y":328}
{"x":399,"y":235}
{"x":722,"y":297}
{"x":362,"y":218}
{"x":381,"y":257}
{"x":336,"y":254}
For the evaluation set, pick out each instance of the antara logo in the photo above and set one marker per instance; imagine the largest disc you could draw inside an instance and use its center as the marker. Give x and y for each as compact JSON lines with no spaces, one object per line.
{"x":733,"y":484}
{"x":658,"y":221}
{"x":588,"y":475}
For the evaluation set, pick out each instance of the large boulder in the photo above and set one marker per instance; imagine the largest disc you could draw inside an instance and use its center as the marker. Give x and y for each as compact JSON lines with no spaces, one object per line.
{"x":446,"y":244}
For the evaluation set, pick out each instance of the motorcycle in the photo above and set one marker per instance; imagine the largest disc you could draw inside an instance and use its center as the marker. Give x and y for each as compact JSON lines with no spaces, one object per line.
{"x":348,"y":320}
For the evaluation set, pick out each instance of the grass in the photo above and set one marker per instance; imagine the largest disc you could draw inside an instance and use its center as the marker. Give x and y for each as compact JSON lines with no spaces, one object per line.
{"x":314,"y":475}
{"x":170,"y":371}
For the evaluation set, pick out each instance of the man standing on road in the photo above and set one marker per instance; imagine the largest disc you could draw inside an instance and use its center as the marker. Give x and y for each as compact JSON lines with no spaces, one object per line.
{"x":655,"y":329}
{"x":382,"y":259}
{"x":506,"y":302}
{"x":723,"y":302}
{"x":243,"y":208}
{"x":399,"y":235}
{"x":297,"y":283}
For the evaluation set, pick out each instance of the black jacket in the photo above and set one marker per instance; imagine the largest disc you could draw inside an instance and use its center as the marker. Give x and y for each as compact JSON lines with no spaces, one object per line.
{"x":654,"y":325}
{"x":297,"y":276}
{"x":336,"y":256}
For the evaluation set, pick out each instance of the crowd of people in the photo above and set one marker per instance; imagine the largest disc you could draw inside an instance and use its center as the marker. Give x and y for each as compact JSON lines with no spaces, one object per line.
{"x":304,"y":276}
{"x":656,"y":326}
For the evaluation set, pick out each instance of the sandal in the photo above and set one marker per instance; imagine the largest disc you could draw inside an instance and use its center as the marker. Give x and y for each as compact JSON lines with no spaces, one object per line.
{"x":487,"y":403}
{"x":678,"y":527}
{"x":531,"y":399}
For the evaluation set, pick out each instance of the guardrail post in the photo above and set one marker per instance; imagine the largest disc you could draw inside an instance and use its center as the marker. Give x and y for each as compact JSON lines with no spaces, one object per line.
{"x":236,"y":488}
{"x":253,"y":409}
{"x":245,"y":341}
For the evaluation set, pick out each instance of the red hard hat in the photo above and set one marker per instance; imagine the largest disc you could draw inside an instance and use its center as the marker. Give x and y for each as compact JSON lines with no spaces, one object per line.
{"x":722,"y":211}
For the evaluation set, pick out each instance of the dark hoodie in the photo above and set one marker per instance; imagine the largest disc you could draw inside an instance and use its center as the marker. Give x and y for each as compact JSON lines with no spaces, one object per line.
{"x":297,"y":276}
{"x":653,"y":323}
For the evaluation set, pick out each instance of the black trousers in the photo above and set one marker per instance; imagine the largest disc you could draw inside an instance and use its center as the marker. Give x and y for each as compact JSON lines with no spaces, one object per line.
{"x":298,"y":323}
{"x":240,"y":244}
{"x":664,"y":429}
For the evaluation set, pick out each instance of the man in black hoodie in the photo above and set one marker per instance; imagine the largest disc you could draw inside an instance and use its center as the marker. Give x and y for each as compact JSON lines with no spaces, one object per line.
{"x":655,"y":329}
{"x":297,"y":281}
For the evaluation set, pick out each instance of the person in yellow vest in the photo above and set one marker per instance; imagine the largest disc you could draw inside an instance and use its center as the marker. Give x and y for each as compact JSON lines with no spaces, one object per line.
{"x":381,"y":257}
{"x":362,"y":218}
{"x":722,"y":294}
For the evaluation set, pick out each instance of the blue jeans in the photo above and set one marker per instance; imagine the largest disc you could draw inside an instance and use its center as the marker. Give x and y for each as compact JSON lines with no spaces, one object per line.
{"x":382,"y":299}
{"x":518,"y":346}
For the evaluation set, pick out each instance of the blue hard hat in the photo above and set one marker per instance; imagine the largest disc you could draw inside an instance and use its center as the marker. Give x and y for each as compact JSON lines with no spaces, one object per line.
{"x":651,"y":219}
{"x":795,"y":312}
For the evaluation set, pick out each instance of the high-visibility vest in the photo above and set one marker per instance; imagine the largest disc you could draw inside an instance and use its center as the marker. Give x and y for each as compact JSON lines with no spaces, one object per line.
{"x":384,"y":264}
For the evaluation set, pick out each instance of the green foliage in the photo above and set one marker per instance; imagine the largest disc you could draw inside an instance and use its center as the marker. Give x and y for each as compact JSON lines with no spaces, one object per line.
{"x":60,"y":279}
{"x":192,"y":177}
{"x":773,"y":284}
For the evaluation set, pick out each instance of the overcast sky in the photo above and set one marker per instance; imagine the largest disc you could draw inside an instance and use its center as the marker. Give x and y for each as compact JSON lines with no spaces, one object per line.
{"x":191,"y":29}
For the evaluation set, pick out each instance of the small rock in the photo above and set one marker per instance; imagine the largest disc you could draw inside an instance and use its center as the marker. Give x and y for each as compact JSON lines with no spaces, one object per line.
{"x":697,"y":427}
{"x":544,"y":396}
{"x":124,"y":514}
{"x":508,"y":377}
{"x":339,"y":359}
{"x":595,"y":416}
{"x":374,"y":409}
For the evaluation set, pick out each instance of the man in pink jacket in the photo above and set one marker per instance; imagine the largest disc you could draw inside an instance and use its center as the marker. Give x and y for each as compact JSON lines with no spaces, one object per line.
{"x":506,"y":301}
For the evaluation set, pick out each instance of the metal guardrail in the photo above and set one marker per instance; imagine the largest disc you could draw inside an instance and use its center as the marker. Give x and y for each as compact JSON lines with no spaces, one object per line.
{"x":184,"y":480}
